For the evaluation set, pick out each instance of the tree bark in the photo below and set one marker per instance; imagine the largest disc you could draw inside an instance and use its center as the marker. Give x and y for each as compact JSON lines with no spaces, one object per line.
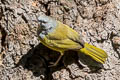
{"x":22,"y":57}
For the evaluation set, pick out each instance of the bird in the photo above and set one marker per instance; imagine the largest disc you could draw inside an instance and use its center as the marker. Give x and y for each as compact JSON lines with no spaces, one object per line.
{"x":60,"y":37}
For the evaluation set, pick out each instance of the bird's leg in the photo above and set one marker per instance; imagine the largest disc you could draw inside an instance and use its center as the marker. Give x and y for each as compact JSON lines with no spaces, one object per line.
{"x":56,"y":61}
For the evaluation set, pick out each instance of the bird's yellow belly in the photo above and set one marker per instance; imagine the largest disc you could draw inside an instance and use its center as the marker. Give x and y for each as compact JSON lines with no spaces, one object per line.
{"x":47,"y":44}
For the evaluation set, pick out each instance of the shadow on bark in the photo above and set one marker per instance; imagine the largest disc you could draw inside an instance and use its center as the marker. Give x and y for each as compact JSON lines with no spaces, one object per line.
{"x":38,"y":58}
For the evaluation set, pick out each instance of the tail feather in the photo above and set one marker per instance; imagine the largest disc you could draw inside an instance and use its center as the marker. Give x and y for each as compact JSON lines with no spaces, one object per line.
{"x":96,"y":53}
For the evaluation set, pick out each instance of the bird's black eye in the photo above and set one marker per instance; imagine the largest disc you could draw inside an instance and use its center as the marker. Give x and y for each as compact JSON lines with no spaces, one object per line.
{"x":42,"y":21}
{"x":50,"y":28}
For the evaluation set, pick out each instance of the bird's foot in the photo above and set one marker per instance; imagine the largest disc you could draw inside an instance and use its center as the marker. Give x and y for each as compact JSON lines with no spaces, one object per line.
{"x":52,"y":64}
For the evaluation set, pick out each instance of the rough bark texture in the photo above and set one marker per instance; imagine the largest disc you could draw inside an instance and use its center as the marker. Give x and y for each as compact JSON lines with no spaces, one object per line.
{"x":22,"y":57}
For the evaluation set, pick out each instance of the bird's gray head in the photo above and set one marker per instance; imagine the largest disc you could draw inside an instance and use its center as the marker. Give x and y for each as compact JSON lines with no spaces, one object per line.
{"x":46,"y":24}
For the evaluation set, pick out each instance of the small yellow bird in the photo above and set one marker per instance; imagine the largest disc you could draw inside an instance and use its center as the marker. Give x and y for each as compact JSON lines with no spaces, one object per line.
{"x":60,"y":37}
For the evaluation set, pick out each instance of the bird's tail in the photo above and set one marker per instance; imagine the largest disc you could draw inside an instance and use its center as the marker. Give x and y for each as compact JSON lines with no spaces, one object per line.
{"x":96,"y":53}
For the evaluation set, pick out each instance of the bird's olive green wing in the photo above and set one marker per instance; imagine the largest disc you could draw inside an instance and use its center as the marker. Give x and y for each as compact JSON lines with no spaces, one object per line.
{"x":74,"y":36}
